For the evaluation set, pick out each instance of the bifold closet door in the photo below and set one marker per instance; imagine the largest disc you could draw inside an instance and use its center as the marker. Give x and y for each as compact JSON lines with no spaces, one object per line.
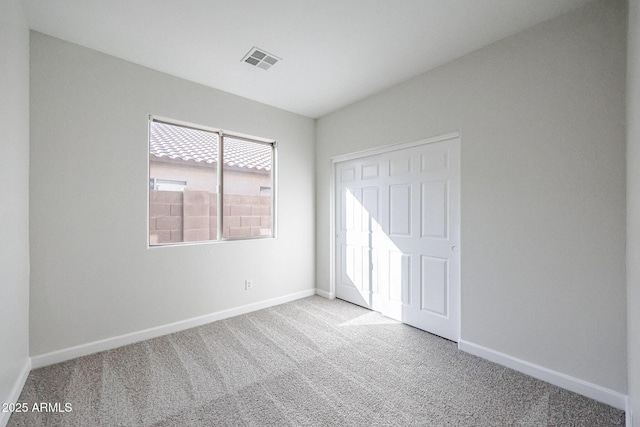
{"x":398,"y":234}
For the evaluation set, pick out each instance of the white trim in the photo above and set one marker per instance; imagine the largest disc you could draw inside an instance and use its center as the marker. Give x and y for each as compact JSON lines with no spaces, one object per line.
{"x":393,"y":147}
{"x":628,"y":412}
{"x":332,"y":230}
{"x":325,"y":294}
{"x":576,"y":385}
{"x":14,"y":394}
{"x":65,"y":354}
{"x":274,"y":192}
{"x":460,"y":240}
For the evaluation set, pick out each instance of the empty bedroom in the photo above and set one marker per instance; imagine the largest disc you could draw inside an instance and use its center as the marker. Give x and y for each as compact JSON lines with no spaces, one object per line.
{"x":361,"y":212}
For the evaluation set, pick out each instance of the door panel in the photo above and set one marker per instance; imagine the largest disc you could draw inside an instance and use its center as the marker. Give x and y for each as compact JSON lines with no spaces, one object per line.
{"x":370,"y":204}
{"x":434,"y":278}
{"x":434,"y":159}
{"x":400,"y":209}
{"x":433,"y":212}
{"x":370,"y":171}
{"x":398,"y":234}
{"x":399,"y":164}
{"x":347,"y":174}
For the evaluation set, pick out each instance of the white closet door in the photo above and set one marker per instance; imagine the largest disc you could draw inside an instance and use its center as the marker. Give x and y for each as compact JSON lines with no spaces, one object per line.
{"x":398,"y":234}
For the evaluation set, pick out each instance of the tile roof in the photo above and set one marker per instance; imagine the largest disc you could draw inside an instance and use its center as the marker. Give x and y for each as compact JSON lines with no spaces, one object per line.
{"x":178,"y":142}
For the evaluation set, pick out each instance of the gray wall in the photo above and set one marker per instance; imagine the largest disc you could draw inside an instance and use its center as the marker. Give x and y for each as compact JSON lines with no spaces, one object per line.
{"x":542,"y":122}
{"x":633,"y":207}
{"x":93,"y":276}
{"x":14,"y":205}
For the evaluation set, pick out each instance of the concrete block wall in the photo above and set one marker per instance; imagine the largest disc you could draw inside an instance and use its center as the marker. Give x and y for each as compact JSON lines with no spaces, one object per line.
{"x":246,"y":216}
{"x":213,"y":216}
{"x":197,"y":209}
{"x":191,"y":216}
{"x":165,"y":217}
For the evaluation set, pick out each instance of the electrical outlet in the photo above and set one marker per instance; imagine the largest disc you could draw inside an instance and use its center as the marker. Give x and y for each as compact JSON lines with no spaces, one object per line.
{"x":248,"y":285}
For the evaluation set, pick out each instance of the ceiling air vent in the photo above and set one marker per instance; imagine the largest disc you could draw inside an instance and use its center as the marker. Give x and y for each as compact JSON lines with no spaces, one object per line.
{"x":260,"y":58}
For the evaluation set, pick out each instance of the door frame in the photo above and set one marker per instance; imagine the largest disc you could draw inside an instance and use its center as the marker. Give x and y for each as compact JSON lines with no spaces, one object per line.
{"x":372,"y":152}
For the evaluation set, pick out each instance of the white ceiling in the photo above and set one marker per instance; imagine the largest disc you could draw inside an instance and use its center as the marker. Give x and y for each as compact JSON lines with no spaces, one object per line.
{"x":334,"y":52}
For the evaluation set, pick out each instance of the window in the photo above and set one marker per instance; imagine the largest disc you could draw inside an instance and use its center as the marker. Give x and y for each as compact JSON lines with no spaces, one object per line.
{"x":193,"y":199}
{"x":166,"y":184}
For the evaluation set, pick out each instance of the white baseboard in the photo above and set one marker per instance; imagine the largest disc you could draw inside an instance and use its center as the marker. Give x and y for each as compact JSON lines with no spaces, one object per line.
{"x":590,"y":390}
{"x":65,"y":354}
{"x":14,"y":394}
{"x":325,"y":294}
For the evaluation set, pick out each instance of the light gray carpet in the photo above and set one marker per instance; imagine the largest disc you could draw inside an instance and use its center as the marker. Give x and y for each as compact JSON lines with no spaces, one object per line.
{"x":309,"y":362}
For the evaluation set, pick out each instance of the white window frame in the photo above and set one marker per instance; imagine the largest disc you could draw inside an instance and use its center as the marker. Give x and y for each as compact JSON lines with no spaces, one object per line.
{"x":220,"y":176}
